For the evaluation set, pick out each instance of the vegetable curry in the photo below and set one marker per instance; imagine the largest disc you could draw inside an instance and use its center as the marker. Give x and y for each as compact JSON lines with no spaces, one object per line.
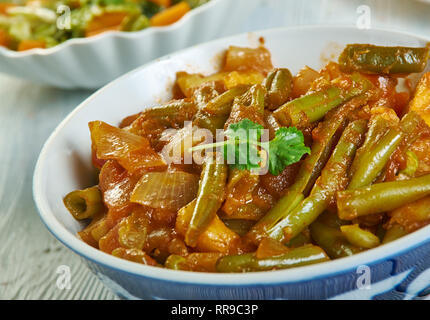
{"x":309,"y":167}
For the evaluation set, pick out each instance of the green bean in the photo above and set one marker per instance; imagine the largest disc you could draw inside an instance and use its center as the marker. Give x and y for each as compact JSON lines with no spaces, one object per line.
{"x":281,"y":209}
{"x":393,"y":233}
{"x":332,"y":240}
{"x":271,"y":124}
{"x":215,"y":114}
{"x":412,"y":163}
{"x":359,"y":237}
{"x":308,"y":173}
{"x":331,"y":219}
{"x":84,"y":204}
{"x":378,"y":127}
{"x":133,"y":231}
{"x":210,"y":122}
{"x":308,"y":254}
{"x":324,"y":141}
{"x":173,"y":114}
{"x":258,"y":98}
{"x":381,"y":142}
{"x":333,"y":178}
{"x":248,"y":211}
{"x":240,"y":226}
{"x":175,"y":262}
{"x":209,"y":198}
{"x":381,"y":197}
{"x":412,"y":126}
{"x":300,"y":240}
{"x":253,"y":100}
{"x":207,"y":120}
{"x":334,"y":175}
{"x":203,"y":95}
{"x":279,"y":85}
{"x":386,"y":60}
{"x":222,"y":104}
{"x":374,"y":160}
{"x":314,"y":106}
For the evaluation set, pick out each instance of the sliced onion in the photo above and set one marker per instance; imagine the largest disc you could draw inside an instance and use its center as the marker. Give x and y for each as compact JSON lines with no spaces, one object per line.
{"x":166,"y":190}
{"x":132,"y":152}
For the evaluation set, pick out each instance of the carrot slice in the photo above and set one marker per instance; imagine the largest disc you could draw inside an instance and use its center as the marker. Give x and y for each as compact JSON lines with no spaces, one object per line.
{"x":108,"y":21}
{"x":162,"y":3}
{"x":4,"y":6}
{"x":4,"y":38}
{"x":170,"y":15}
{"x":31,"y":44}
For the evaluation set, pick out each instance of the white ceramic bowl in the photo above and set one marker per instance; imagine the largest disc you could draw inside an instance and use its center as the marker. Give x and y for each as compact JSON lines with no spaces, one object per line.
{"x":92,"y":62}
{"x":65,"y":165}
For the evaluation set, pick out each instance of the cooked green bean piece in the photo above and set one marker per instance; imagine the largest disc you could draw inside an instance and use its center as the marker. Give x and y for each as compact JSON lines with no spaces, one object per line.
{"x":360,"y":237}
{"x":210,"y":122}
{"x":222,"y":104}
{"x":333,"y":178}
{"x":334,"y":175}
{"x":133,"y":231}
{"x":412,"y":126}
{"x":207,"y":120}
{"x":324,"y":141}
{"x":412,"y":163}
{"x":209,"y":198}
{"x":378,"y":127}
{"x":308,"y":173}
{"x":381,"y":197}
{"x":393,"y":233}
{"x":374,"y":160}
{"x":314,"y":106}
{"x":368,"y":58}
{"x":381,"y":142}
{"x":300,"y":240}
{"x":279,"y":85}
{"x":281,"y":209}
{"x":308,"y":254}
{"x":332,"y":240}
{"x":84,"y":204}
{"x":240,"y":226}
{"x":203,"y":95}
{"x":173,"y":114}
{"x":271,"y":124}
{"x":175,"y":262}
{"x":253,"y":100}
{"x":214,"y":115}
{"x":258,"y":98}
{"x":331,"y":219}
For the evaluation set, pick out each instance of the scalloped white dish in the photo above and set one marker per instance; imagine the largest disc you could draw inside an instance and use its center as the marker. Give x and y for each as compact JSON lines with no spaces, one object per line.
{"x":92,"y":62}
{"x":399,"y":269}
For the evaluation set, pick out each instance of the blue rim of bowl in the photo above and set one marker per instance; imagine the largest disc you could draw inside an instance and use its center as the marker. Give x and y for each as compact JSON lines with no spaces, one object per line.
{"x":110,"y":34}
{"x":294,"y":275}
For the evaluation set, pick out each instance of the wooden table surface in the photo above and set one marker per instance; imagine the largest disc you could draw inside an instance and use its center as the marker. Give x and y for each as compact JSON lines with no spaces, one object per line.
{"x":29,"y":255}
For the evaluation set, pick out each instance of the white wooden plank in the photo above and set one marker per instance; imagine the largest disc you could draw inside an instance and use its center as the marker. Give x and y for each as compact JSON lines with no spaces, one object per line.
{"x":29,"y":255}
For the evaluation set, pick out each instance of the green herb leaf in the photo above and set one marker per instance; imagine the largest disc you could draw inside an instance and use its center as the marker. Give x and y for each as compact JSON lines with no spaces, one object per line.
{"x":243,"y":147}
{"x":285,"y":149}
{"x":243,"y":140}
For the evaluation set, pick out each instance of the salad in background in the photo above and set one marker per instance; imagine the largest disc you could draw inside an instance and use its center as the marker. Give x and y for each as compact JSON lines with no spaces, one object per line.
{"x":32,"y":24}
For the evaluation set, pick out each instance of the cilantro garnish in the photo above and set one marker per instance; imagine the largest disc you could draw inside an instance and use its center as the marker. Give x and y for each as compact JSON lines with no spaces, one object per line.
{"x":243,"y":148}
